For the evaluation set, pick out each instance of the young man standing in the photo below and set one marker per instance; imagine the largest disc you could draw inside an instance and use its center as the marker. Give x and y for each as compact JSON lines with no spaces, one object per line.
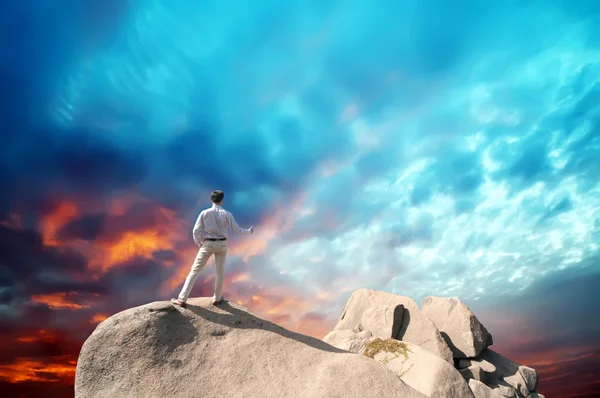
{"x":210,"y":233}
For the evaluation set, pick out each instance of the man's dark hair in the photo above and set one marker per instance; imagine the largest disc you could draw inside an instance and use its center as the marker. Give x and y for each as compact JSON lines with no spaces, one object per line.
{"x":217,"y":196}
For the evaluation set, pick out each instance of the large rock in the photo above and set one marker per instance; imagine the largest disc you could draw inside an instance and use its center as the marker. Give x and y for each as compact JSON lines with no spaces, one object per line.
{"x":159,"y":350}
{"x":419,"y":368}
{"x":380,"y":313}
{"x":348,"y":340}
{"x":503,"y":376}
{"x":479,"y":370}
{"x":388,"y":315}
{"x":461,"y":329}
{"x":480,"y":363}
{"x":474,"y":372}
{"x":522,"y":378}
{"x":480,"y":390}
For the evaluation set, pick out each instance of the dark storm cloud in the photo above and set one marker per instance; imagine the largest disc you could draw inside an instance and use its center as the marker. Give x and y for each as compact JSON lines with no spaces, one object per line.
{"x":92,"y":164}
{"x":138,"y":274}
{"x":87,"y":227}
{"x":27,"y":267}
{"x":36,"y":389}
{"x":55,"y":344}
{"x":140,"y":216}
{"x":70,"y":163}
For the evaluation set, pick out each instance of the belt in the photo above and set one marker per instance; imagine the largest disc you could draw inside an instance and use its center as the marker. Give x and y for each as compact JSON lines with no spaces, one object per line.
{"x":215,"y":239}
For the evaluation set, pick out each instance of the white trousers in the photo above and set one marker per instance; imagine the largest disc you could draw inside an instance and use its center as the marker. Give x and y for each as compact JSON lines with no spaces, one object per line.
{"x":219,"y":249}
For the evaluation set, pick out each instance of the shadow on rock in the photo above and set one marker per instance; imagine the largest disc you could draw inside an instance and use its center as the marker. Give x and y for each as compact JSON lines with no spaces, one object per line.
{"x":401,"y":322}
{"x":240,"y":319}
{"x":168,"y":331}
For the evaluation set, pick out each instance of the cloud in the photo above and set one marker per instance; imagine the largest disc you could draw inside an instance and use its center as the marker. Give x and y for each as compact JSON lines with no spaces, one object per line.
{"x":57,"y":301}
{"x":410,"y":147}
{"x":22,"y":360}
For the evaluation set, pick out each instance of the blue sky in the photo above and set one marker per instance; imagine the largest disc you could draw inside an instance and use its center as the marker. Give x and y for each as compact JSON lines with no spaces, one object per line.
{"x":417,"y":147}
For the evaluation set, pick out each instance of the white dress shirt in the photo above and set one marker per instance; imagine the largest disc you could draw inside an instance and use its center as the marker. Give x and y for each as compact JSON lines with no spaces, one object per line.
{"x":215,"y":223}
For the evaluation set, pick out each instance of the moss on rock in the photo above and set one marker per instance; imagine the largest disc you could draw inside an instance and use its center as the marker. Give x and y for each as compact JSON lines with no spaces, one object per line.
{"x":388,"y":345}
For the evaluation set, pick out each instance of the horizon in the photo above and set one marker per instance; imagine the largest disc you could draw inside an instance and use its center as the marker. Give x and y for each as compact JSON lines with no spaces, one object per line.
{"x":419,"y":148}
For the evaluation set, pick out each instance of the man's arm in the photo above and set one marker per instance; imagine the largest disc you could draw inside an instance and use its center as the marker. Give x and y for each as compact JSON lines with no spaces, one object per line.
{"x":198,"y":230}
{"x":236,"y":228}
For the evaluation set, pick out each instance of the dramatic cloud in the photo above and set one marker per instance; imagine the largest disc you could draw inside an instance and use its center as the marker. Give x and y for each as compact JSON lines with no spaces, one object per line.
{"x":422,"y":148}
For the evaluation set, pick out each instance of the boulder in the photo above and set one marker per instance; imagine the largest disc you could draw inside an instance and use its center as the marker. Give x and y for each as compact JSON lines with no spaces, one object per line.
{"x":160,"y":350}
{"x":461,"y":329}
{"x":388,"y":315}
{"x":503,"y":389}
{"x":530,"y":376}
{"x":522,"y":378}
{"x":379,"y":312}
{"x":419,"y":368}
{"x":480,"y":363}
{"x":474,"y":372}
{"x":477,"y":369}
{"x":348,"y":340}
{"x":480,"y":390}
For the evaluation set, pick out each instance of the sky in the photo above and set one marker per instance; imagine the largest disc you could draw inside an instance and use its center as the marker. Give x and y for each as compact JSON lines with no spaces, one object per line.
{"x":415,"y":147}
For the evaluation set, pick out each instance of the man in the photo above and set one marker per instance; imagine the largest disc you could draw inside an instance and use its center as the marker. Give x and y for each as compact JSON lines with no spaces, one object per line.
{"x":210,"y":233}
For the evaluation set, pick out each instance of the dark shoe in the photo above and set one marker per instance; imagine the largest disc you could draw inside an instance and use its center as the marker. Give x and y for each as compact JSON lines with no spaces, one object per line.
{"x":219,"y":301}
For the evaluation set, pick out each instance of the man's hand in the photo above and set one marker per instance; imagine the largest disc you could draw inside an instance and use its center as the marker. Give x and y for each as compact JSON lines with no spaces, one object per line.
{"x":252,"y":229}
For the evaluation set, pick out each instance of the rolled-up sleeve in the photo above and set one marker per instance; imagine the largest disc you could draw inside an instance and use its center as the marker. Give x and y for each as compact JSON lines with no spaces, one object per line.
{"x":235,"y":227}
{"x":198,"y":230}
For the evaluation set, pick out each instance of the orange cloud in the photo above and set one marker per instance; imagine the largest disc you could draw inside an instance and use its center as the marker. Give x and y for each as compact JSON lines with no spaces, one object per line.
{"x":131,"y":245}
{"x":168,"y":233}
{"x":97,"y":318}
{"x":41,"y":336}
{"x":32,"y":369}
{"x":52,"y":223}
{"x":58,"y":301}
{"x":112,"y":246}
{"x":165,"y":234}
{"x":127,"y":245}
